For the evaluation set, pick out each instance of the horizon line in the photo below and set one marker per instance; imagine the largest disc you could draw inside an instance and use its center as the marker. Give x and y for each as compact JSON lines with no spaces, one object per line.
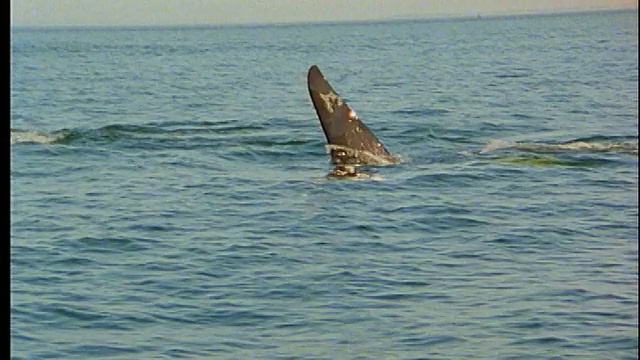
{"x":399,"y":18}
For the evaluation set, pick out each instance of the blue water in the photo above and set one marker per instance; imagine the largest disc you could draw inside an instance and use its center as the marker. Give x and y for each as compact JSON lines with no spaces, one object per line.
{"x":169,"y":196}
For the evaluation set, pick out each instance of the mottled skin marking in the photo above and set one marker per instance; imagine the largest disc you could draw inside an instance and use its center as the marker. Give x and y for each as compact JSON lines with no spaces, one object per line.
{"x":331,"y":101}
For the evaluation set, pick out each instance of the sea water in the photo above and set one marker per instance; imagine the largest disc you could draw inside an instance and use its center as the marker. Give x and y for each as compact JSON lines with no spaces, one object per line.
{"x":169,"y":196}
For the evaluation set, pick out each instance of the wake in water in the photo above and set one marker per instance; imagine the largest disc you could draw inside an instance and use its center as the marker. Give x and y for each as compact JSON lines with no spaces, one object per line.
{"x":569,"y":153}
{"x":597,"y":144}
{"x":37,"y":137}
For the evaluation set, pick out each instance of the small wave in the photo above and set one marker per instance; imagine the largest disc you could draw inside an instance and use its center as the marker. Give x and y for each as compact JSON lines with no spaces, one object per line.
{"x":511,"y":75}
{"x":494,"y":145}
{"x":362,"y":175}
{"x":628,"y":147}
{"x":625,"y":147}
{"x":421,"y":112}
{"x":152,"y":134}
{"x":540,"y":160}
{"x":37,"y":137}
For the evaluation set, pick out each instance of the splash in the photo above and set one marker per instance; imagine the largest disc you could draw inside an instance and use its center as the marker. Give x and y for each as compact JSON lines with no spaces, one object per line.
{"x":623,"y":147}
{"x":37,"y":137}
{"x":494,"y":145}
{"x":361,"y":156}
{"x":628,"y":147}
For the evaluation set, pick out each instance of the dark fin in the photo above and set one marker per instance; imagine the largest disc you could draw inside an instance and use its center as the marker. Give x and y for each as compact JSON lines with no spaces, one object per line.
{"x":349,"y":140}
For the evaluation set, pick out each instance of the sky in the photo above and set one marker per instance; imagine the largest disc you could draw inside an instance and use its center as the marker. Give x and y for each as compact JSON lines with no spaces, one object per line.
{"x":213,"y":12}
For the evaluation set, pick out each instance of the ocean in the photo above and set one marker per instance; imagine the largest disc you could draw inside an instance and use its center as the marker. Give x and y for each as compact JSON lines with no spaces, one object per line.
{"x":170,"y":197}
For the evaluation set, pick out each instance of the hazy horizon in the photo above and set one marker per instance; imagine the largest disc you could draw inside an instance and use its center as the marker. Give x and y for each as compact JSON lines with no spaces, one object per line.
{"x":87,"y":13}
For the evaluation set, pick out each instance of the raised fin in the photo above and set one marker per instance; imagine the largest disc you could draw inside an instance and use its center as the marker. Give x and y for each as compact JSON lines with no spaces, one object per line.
{"x":349,"y":140}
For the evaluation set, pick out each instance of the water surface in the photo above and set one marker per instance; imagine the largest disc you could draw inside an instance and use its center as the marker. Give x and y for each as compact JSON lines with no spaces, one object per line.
{"x":169,"y":197}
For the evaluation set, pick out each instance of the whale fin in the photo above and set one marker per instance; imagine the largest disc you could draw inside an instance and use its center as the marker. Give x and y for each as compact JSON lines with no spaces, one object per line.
{"x":349,"y":140}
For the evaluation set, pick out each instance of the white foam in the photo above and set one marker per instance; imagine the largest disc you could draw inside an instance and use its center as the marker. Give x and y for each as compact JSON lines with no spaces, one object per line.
{"x":494,"y":145}
{"x":625,"y":147}
{"x":36,"y":137}
{"x":365,"y":156}
{"x":603,"y":147}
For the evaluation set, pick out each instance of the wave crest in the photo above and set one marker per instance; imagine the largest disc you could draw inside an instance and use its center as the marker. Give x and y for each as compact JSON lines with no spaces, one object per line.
{"x":37,"y":137}
{"x":628,"y":147}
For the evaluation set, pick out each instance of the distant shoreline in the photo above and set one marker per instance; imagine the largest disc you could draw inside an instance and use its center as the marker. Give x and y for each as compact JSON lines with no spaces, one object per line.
{"x":475,"y":17}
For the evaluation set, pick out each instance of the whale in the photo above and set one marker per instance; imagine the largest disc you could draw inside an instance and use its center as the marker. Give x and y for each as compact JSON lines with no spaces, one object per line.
{"x":350,"y":143}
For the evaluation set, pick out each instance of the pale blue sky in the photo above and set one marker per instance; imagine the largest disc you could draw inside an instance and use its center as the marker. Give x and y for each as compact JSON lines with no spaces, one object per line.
{"x":206,"y":12}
